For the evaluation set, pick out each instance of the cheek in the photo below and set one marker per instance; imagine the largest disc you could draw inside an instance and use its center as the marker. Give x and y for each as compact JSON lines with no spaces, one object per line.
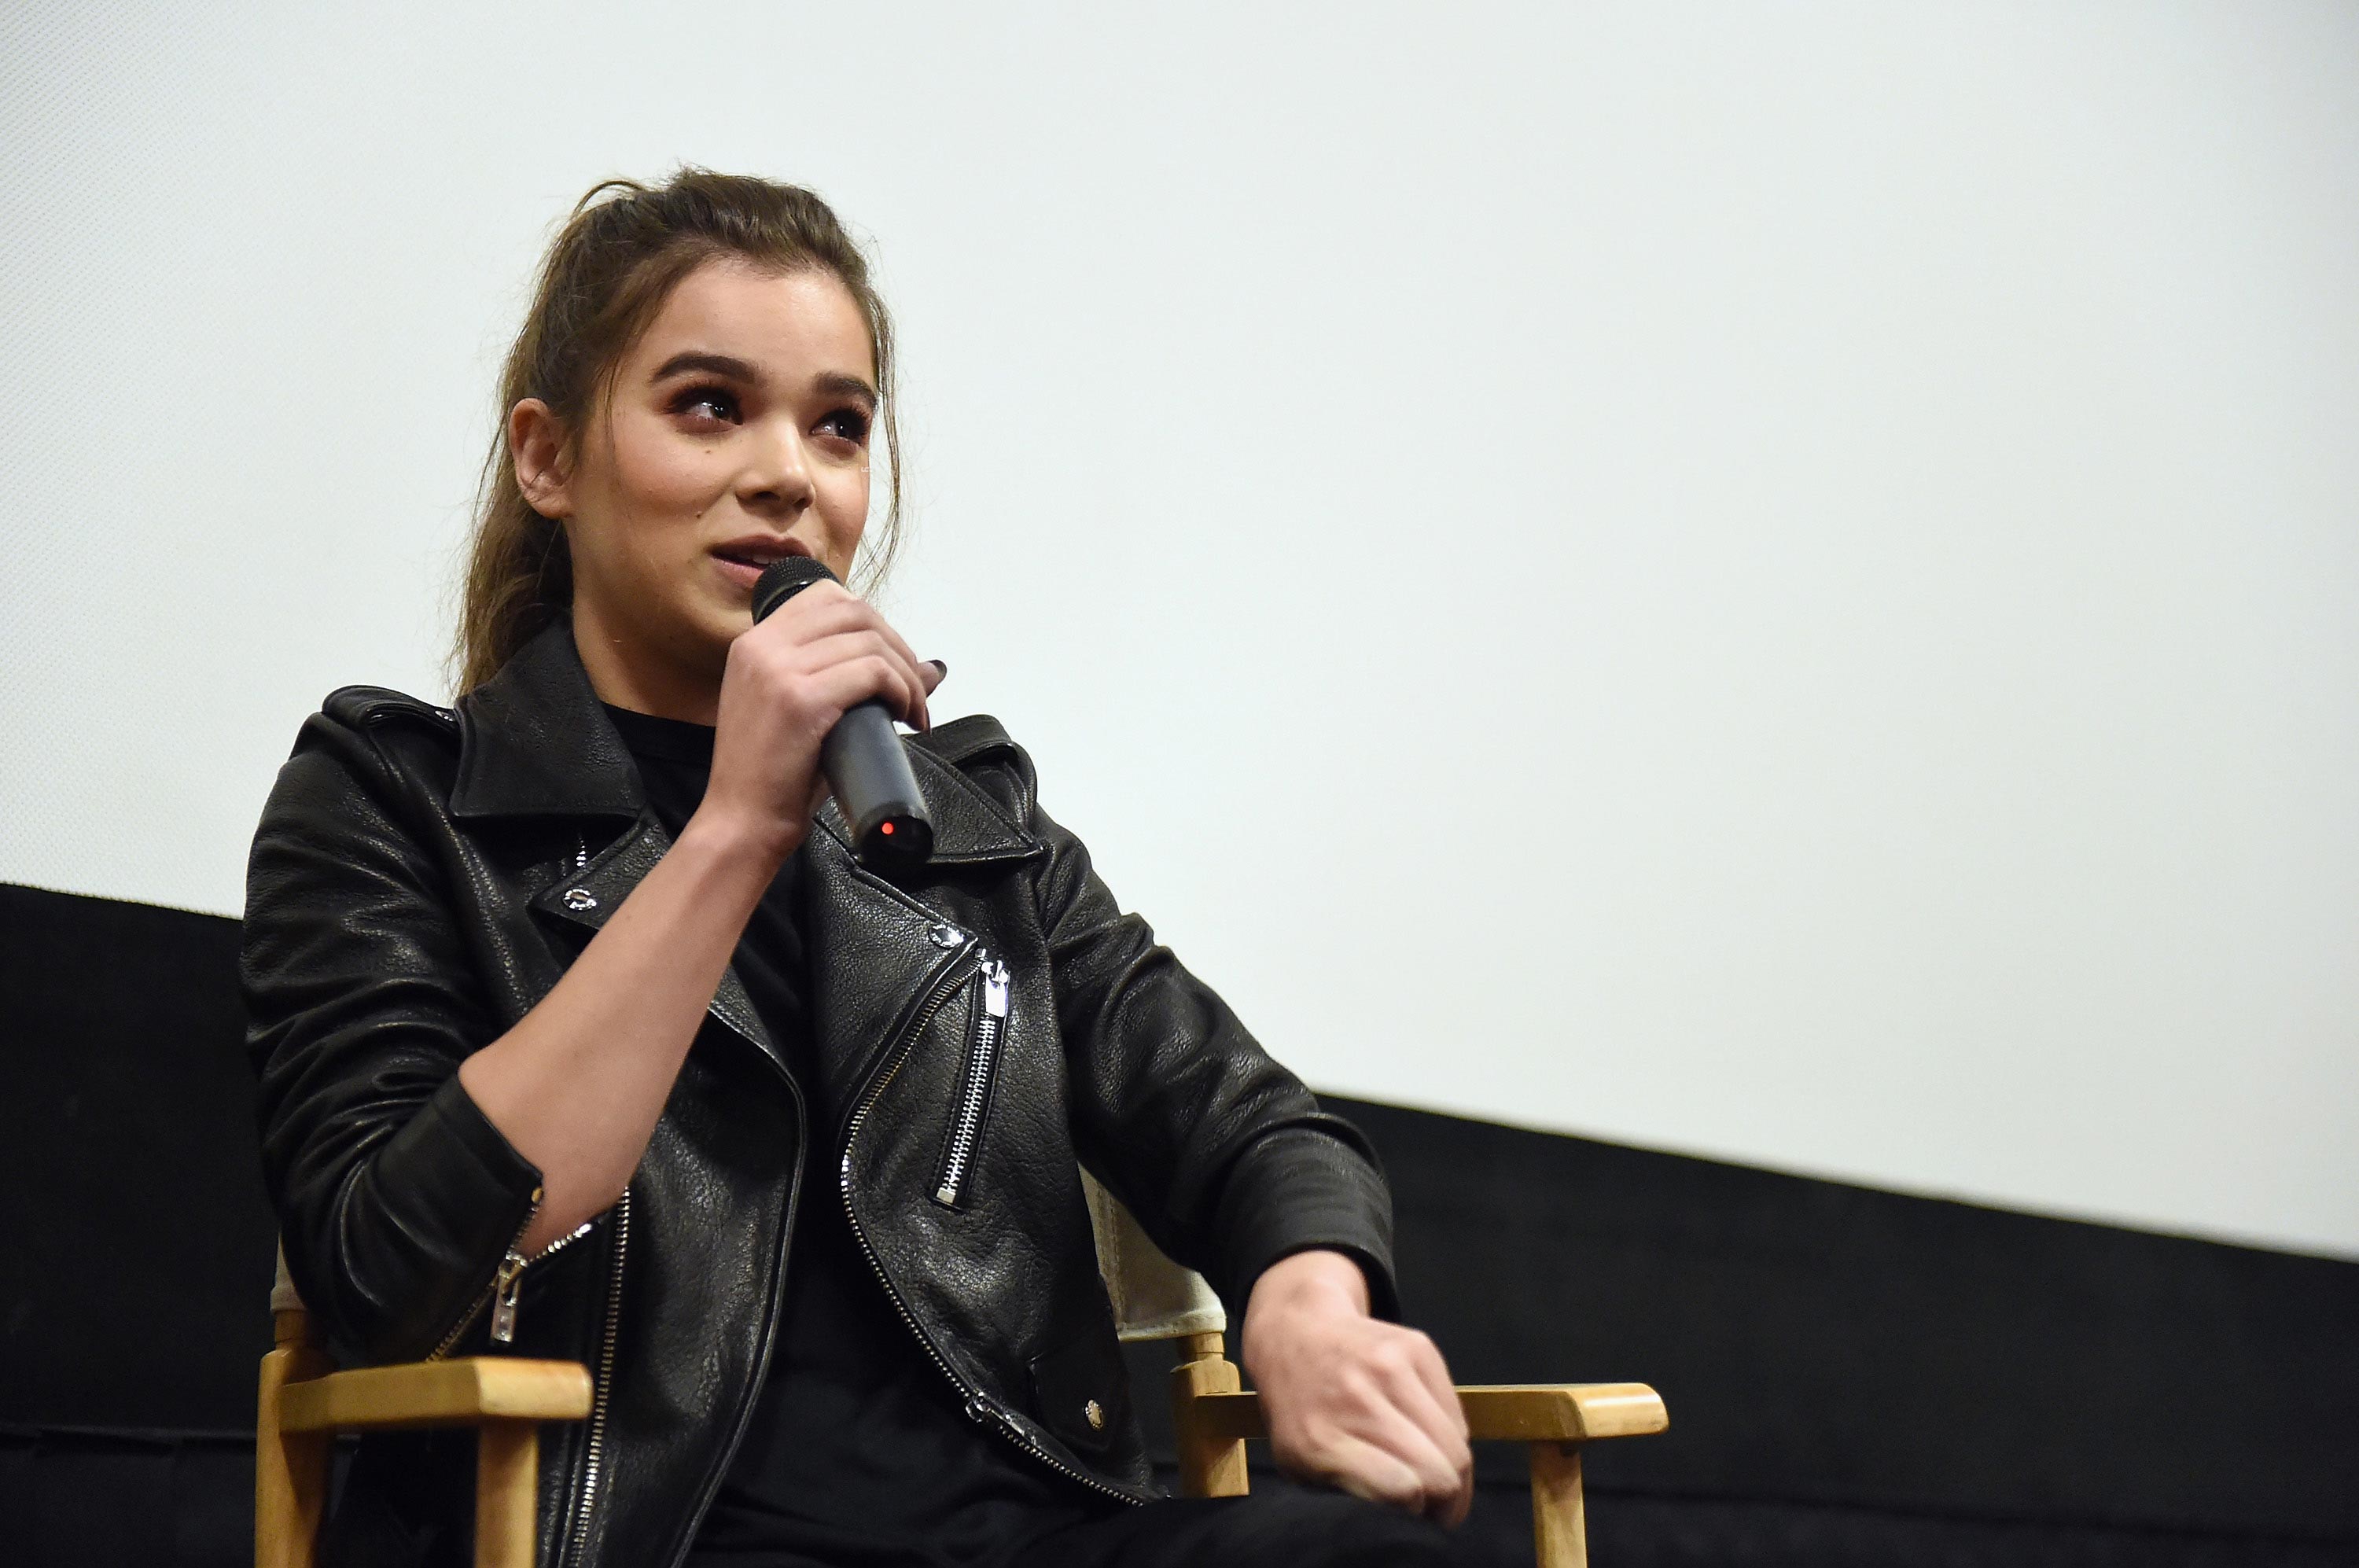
{"x":843,"y":507}
{"x":661,"y":477}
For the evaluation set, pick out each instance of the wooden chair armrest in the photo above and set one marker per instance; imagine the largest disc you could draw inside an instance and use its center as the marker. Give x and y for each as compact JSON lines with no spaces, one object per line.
{"x":1561,"y":1412}
{"x":471,"y":1391}
{"x":1538,"y":1412}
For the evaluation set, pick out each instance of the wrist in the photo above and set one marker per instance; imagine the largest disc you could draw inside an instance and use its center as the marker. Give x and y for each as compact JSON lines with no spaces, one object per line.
{"x":738,"y":841}
{"x":1318,"y":1279}
{"x":1296,"y":1305}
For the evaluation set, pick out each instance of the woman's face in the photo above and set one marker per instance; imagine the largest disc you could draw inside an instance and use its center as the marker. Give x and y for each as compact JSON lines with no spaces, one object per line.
{"x":736,"y":432}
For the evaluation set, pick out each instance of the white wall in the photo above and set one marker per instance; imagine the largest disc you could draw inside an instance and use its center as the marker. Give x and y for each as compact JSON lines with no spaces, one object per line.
{"x":1872,"y":490}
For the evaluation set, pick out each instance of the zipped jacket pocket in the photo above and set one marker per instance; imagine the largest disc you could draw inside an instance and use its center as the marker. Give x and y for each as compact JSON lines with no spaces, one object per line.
{"x":985,"y":1036}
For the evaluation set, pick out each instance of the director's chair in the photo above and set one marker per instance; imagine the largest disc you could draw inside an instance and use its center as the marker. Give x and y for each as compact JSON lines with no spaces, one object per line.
{"x":305,"y":1403}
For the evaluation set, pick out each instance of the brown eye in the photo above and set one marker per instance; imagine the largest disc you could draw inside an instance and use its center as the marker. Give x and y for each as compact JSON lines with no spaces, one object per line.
{"x":708,"y":402}
{"x":849,"y":424}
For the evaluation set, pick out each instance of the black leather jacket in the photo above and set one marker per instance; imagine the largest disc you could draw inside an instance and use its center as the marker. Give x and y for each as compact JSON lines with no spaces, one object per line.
{"x":420,"y":880}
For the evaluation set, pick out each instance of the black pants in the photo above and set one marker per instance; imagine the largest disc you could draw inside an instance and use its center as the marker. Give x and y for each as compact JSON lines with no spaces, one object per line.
{"x":1279,"y":1527}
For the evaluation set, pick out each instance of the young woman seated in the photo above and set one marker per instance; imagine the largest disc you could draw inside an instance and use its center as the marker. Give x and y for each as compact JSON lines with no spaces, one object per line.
{"x":582,"y":1034}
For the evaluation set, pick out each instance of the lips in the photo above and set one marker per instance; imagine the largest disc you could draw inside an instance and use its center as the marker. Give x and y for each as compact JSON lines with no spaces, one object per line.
{"x":759,"y":551}
{"x":743,"y":560}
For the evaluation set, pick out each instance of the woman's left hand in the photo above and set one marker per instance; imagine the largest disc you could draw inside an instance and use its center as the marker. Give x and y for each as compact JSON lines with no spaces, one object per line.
{"x":1360,"y":1404}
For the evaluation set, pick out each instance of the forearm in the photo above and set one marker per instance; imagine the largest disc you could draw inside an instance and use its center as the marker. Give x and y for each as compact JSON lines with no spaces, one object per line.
{"x":577,"y":1084}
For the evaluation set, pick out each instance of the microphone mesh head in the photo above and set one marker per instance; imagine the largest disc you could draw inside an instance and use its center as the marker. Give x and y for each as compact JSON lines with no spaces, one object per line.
{"x":783,"y":579}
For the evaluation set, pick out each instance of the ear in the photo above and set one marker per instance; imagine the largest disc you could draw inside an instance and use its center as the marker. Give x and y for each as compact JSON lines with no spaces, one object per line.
{"x":537,"y":445}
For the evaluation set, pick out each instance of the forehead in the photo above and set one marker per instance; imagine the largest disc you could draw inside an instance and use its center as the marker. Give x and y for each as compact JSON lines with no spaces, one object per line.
{"x":794,"y":324}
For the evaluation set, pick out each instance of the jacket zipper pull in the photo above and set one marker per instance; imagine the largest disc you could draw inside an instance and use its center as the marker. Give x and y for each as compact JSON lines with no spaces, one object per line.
{"x":994,"y":990}
{"x":506,"y":1290}
{"x":983,"y":1411}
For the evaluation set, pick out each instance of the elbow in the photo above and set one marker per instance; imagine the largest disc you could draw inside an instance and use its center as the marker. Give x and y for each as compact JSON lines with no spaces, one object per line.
{"x":397,"y":1250}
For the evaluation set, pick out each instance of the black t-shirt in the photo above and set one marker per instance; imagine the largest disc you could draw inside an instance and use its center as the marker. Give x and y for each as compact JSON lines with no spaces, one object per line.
{"x":857,"y":1454}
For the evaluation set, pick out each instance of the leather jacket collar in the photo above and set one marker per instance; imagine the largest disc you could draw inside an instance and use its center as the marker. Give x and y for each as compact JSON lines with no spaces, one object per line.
{"x":535,"y":741}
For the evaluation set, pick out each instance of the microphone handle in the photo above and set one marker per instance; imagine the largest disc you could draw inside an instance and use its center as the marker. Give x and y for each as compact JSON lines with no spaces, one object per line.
{"x":869,"y":771}
{"x":862,"y":756}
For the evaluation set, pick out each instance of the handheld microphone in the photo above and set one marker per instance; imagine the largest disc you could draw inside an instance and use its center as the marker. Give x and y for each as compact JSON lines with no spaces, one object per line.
{"x":862,"y":756}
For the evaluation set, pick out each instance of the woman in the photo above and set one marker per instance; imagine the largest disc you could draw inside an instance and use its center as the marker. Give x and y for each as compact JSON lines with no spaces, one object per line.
{"x":580,"y":1034}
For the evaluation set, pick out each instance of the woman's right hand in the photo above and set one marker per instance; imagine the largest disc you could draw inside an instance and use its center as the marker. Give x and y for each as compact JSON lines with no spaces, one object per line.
{"x":788,"y":682}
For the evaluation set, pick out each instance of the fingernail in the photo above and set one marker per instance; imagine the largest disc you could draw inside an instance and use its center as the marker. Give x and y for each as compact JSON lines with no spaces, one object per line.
{"x":937,"y":664}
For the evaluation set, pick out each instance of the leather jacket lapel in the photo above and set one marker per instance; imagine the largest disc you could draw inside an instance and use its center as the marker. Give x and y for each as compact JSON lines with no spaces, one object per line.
{"x":533,"y":741}
{"x":595,"y":891}
{"x":872,"y":950}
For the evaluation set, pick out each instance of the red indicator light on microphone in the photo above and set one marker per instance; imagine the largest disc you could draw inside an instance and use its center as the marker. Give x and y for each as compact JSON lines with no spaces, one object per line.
{"x":884,"y":827}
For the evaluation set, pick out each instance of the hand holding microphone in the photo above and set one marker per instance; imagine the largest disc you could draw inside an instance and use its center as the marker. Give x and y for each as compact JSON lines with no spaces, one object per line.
{"x":862,"y":756}
{"x":813,"y":692}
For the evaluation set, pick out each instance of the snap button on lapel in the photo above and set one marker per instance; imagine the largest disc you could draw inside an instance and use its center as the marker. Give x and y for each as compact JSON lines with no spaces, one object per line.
{"x":942,"y":936}
{"x":1094,"y":1414}
{"x":579,"y":899}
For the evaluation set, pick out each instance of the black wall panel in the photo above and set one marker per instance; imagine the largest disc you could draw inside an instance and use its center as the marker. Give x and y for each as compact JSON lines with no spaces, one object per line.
{"x":1823,"y":1343}
{"x":137,"y":1292}
{"x":1854,"y":1376}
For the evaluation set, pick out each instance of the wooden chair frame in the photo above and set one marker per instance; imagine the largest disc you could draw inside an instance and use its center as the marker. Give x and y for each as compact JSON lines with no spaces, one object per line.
{"x":1213,"y":1417}
{"x":305,"y":1402}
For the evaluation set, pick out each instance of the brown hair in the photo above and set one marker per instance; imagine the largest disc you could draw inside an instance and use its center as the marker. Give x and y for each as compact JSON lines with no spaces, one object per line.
{"x":618,"y":257}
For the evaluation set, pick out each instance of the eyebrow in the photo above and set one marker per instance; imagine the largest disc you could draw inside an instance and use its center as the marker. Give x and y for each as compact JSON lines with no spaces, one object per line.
{"x":709,"y":363}
{"x":833,"y":383}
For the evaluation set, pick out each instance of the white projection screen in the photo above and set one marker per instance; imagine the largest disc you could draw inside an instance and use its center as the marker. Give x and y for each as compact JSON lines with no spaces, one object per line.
{"x":1773,"y":581}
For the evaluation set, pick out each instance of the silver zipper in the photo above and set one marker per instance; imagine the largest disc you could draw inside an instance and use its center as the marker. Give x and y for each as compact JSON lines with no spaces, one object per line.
{"x":990,"y":1028}
{"x":605,"y":1382}
{"x":503,"y":1279}
{"x":979,"y":1406}
{"x":502,"y":1293}
{"x":508,"y":1285}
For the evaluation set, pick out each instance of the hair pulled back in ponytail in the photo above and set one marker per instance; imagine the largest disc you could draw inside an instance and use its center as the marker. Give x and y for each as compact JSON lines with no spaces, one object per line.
{"x":618,"y":257}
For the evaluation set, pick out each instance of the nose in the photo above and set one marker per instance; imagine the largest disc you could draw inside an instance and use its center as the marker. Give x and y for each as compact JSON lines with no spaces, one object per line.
{"x":775,"y":481}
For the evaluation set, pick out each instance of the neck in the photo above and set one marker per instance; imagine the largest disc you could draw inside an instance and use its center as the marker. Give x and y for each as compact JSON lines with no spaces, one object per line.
{"x":627,"y":673}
